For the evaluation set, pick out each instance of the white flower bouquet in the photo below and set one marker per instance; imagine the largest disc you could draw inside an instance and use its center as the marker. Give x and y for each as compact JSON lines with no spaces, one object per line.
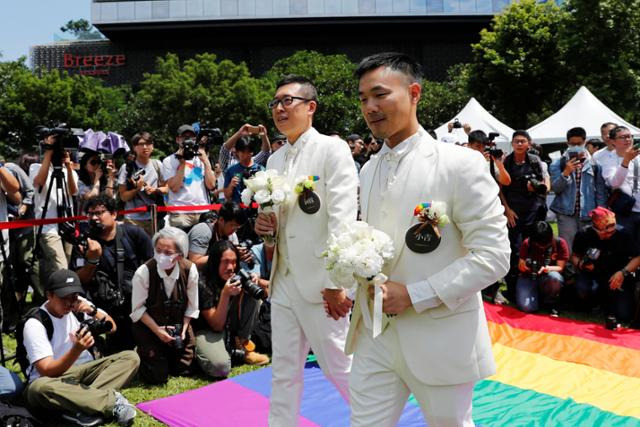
{"x":357,"y":253}
{"x":269,"y":190}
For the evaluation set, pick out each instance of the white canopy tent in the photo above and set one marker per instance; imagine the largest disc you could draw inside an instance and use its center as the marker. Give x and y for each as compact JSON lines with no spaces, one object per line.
{"x":480,"y":119}
{"x":583,"y":110}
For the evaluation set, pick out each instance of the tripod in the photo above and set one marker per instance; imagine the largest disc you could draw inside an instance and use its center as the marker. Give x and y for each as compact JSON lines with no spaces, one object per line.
{"x":63,"y":200}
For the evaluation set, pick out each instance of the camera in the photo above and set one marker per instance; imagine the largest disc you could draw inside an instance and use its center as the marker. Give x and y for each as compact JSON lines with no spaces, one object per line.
{"x":590,"y":257}
{"x":65,"y":138}
{"x":214,"y":135}
{"x":176,"y":334}
{"x":247,"y":173}
{"x":237,"y":356}
{"x":246,"y":244}
{"x":457,"y":124}
{"x":581,"y":156}
{"x":538,"y":186}
{"x":78,"y":237}
{"x":534,"y":266}
{"x":95,"y":326}
{"x":491,"y":147}
{"x":189,"y":149}
{"x":248,"y":286}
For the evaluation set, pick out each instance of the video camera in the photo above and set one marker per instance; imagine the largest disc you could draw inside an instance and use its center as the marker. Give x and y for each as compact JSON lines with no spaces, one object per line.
{"x":96,"y":326}
{"x":539,"y":187}
{"x":189,"y":149}
{"x":491,"y":147}
{"x":214,"y":135}
{"x":248,"y":286}
{"x":65,"y":138}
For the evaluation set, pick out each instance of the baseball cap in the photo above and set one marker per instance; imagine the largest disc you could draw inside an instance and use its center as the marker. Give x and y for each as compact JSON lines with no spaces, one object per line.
{"x":186,"y":128}
{"x":63,"y":283}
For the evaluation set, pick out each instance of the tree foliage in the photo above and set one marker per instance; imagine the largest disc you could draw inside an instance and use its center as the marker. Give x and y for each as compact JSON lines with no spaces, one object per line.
{"x":82,"y":30}
{"x":517,"y":68}
{"x":602,"y":51}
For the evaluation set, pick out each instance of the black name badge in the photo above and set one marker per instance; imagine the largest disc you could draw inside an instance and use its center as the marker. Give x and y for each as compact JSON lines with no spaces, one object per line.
{"x":423,"y":240}
{"x":309,"y":202}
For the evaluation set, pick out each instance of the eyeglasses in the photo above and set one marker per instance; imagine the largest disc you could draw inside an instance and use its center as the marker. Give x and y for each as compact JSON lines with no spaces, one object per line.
{"x":520,"y":141}
{"x":94,"y":162}
{"x":623,"y":137}
{"x":285,"y":101}
{"x":144,"y":144}
{"x":96,"y":213}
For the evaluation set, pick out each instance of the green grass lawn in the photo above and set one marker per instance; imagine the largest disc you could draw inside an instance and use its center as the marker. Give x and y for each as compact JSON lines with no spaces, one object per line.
{"x":138,"y":392}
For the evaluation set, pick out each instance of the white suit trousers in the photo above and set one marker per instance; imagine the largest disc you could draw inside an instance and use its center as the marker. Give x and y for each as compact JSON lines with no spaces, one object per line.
{"x":381,"y":383}
{"x":297,"y":325}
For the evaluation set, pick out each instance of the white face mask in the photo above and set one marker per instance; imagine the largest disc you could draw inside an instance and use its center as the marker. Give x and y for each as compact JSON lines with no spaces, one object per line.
{"x":165,"y":262}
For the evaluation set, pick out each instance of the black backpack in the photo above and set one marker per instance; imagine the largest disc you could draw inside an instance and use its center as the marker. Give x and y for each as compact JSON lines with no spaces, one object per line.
{"x":43,"y":317}
{"x":16,"y":416}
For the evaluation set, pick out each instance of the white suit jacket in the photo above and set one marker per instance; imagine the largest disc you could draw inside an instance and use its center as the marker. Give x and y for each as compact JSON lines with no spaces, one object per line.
{"x":330,"y":159}
{"x":448,"y":344}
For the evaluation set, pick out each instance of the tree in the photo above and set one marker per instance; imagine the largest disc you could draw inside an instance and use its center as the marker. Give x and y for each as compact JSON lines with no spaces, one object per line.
{"x":518,"y":71}
{"x":28,"y":100}
{"x":82,"y":30}
{"x":337,"y":87}
{"x":602,"y":48}
{"x":220,"y":93}
{"x":441,"y":100}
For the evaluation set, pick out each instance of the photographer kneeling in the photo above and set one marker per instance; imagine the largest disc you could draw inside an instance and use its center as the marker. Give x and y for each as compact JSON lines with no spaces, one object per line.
{"x":606,"y":259}
{"x":229,"y":306}
{"x":63,"y":376}
{"x":541,"y":263}
{"x":106,"y":265}
{"x":164,"y":300}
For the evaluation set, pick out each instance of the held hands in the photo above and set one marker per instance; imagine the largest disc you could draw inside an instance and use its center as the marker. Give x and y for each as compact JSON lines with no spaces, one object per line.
{"x":336,"y":303}
{"x":395,"y":297}
{"x":266,"y":224}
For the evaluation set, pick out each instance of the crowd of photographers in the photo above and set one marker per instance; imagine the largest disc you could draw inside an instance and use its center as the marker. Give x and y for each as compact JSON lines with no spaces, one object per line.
{"x":591,"y":265}
{"x":188,"y":290}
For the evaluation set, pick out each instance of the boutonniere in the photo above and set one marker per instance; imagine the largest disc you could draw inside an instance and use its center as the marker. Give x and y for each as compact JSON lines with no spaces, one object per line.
{"x":308,"y":200}
{"x":425,"y":236}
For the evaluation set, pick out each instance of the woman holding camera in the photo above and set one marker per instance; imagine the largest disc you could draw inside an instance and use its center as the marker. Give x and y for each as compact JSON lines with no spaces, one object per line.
{"x":227,"y":314}
{"x":94,"y":177}
{"x":164,"y":300}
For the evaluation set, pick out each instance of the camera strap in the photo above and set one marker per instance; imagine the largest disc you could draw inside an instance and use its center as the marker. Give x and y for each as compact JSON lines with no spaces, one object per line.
{"x":119,"y":257}
{"x":634,"y":190}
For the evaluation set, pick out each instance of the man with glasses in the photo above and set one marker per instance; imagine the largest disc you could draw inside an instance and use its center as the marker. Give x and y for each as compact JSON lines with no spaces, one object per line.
{"x":140,"y":182}
{"x":623,"y":173}
{"x":299,"y":278}
{"x":523,"y":199}
{"x":606,"y":259}
{"x":106,"y":265}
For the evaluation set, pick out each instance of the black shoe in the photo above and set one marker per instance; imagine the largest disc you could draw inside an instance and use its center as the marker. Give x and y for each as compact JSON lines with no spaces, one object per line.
{"x":554,"y":313}
{"x":84,"y":420}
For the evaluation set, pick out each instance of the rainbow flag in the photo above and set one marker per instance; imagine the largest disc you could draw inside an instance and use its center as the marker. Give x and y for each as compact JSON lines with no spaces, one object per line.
{"x":551,"y":372}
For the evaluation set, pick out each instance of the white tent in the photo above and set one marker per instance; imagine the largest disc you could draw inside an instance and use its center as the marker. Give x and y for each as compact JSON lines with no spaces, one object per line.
{"x":583,"y":110}
{"x":480,"y":119}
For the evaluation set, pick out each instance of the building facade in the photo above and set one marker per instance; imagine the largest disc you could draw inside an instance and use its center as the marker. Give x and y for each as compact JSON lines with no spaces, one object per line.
{"x":436,"y":32}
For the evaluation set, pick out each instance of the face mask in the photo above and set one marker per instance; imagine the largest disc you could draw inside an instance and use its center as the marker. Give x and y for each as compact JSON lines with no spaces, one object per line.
{"x":165,"y":262}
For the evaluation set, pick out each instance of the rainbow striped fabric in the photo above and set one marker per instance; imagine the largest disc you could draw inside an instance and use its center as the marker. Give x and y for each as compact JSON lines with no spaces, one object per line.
{"x":551,"y":372}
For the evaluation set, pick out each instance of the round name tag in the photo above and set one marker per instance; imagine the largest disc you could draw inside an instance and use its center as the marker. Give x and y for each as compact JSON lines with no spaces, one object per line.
{"x":423,"y":241}
{"x":309,"y":202}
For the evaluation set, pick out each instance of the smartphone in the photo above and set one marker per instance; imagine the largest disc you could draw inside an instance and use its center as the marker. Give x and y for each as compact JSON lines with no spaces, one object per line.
{"x":636,"y":146}
{"x":254,"y":130}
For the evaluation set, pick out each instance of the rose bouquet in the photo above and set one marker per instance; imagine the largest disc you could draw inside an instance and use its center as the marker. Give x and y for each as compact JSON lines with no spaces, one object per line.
{"x":357,"y":253}
{"x":269,"y":190}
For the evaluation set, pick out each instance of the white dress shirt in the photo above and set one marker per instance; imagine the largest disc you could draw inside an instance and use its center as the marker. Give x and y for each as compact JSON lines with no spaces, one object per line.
{"x":140,"y":290}
{"x":618,"y":177}
{"x":422,"y":294}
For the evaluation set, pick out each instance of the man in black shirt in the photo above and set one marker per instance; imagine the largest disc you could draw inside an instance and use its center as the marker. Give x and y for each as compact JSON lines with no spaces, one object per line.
{"x":606,"y":259}
{"x":105,"y":278}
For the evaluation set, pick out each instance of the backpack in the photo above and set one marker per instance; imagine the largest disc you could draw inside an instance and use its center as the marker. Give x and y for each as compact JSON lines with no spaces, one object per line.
{"x":16,"y":416}
{"x":41,"y":316}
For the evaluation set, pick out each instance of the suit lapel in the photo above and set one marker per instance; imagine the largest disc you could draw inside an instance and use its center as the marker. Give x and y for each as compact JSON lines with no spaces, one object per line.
{"x":413,"y":189}
{"x":367,"y":182}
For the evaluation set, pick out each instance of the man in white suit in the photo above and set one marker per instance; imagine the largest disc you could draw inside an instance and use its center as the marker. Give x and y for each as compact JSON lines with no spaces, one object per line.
{"x":299,"y":278}
{"x":438,"y":345}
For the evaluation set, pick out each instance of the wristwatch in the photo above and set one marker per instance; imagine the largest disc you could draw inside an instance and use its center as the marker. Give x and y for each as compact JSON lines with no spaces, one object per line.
{"x":625,"y":272}
{"x":93,"y":261}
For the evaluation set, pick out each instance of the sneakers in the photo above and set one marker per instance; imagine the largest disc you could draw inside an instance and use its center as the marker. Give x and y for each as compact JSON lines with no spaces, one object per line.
{"x":123,"y":411}
{"x":84,"y":420}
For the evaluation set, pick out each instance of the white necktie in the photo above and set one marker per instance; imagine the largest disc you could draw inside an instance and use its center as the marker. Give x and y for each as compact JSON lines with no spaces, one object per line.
{"x":388,"y":175}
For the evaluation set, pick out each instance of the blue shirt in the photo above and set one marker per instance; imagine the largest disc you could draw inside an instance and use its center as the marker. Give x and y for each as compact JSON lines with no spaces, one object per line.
{"x":240,"y":171}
